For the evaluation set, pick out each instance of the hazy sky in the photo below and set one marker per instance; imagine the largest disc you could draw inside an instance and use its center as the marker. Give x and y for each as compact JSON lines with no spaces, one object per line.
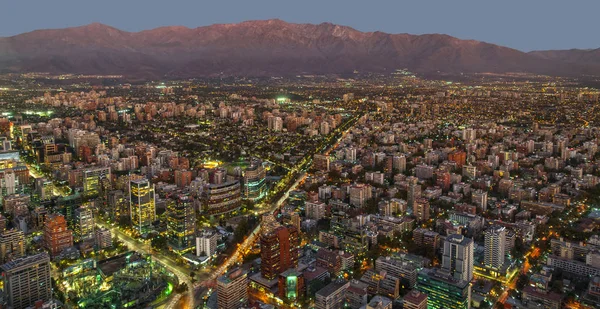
{"x":522,"y":24}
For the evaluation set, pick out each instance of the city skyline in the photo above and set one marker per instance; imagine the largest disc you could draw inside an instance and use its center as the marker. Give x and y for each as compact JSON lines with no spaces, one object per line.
{"x":274,"y":155}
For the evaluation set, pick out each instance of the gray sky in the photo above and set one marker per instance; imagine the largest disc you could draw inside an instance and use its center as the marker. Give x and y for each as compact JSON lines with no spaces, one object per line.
{"x":521,"y":24}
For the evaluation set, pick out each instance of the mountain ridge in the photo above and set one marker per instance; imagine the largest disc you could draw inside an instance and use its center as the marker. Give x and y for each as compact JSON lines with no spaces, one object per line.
{"x":262,"y":48}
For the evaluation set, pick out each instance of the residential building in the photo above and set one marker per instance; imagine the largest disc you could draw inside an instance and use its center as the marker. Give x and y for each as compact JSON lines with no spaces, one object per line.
{"x":232,"y":289}
{"x":332,"y":296}
{"x":458,"y":257}
{"x":26,"y":281}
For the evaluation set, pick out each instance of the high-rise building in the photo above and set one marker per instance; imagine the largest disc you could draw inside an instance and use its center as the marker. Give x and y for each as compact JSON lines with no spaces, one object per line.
{"x":458,"y":257}
{"x":103,"y":238}
{"x":469,"y":134}
{"x":495,"y":241}
{"x":232,"y":289}
{"x":254,"y":182}
{"x":290,"y":284}
{"x":84,"y":222}
{"x":458,"y":156}
{"x":221,"y":198}
{"x":181,"y":221}
{"x":278,"y":250}
{"x":332,"y":296}
{"x":479,"y":198}
{"x":183,"y":178}
{"x":414,"y":191}
{"x":423,"y":171}
{"x":350,"y":154}
{"x":12,"y":245}
{"x":415,"y":300}
{"x":275,"y":123}
{"x":315,"y":210}
{"x":142,"y":204}
{"x":399,"y":163}
{"x":443,"y":290}
{"x":295,"y":220}
{"x":359,"y":194}
{"x":421,"y":209}
{"x":469,"y":171}
{"x":27,"y":281}
{"x":57,"y":237}
{"x":94,"y":180}
{"x":206,"y":243}
{"x":321,"y":162}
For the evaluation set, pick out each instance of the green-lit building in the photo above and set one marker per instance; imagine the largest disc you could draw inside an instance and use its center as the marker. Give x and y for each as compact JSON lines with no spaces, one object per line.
{"x":291,"y":285}
{"x":255,"y":184}
{"x":443,"y":290}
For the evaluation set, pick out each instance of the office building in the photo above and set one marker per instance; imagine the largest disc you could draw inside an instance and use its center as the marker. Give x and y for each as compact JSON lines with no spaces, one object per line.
{"x":181,"y":223}
{"x":278,"y":250}
{"x":458,"y":257}
{"x":232,"y":289}
{"x":95,"y":180}
{"x":443,"y":290}
{"x":84,"y":222}
{"x":26,"y":281}
{"x":495,"y":241}
{"x":142,"y":207}
{"x":221,"y":198}
{"x":255,"y":184}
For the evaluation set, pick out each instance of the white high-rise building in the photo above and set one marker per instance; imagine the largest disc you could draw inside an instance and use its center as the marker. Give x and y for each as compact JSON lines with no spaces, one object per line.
{"x":469,"y":134}
{"x":206,"y":243}
{"x":479,"y":198}
{"x":275,"y":123}
{"x":103,"y":238}
{"x":399,"y":163}
{"x":458,"y":257}
{"x":495,"y":242}
{"x":350,"y":154}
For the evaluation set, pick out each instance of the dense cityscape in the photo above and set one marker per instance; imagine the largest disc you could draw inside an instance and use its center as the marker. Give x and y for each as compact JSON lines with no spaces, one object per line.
{"x":366,"y":191}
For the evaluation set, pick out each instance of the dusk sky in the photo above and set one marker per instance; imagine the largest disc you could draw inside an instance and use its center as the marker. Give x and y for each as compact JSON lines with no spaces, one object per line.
{"x":521,"y":24}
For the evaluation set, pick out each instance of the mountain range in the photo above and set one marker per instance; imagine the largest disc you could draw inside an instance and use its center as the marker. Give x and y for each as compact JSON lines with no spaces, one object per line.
{"x":270,"y":47}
